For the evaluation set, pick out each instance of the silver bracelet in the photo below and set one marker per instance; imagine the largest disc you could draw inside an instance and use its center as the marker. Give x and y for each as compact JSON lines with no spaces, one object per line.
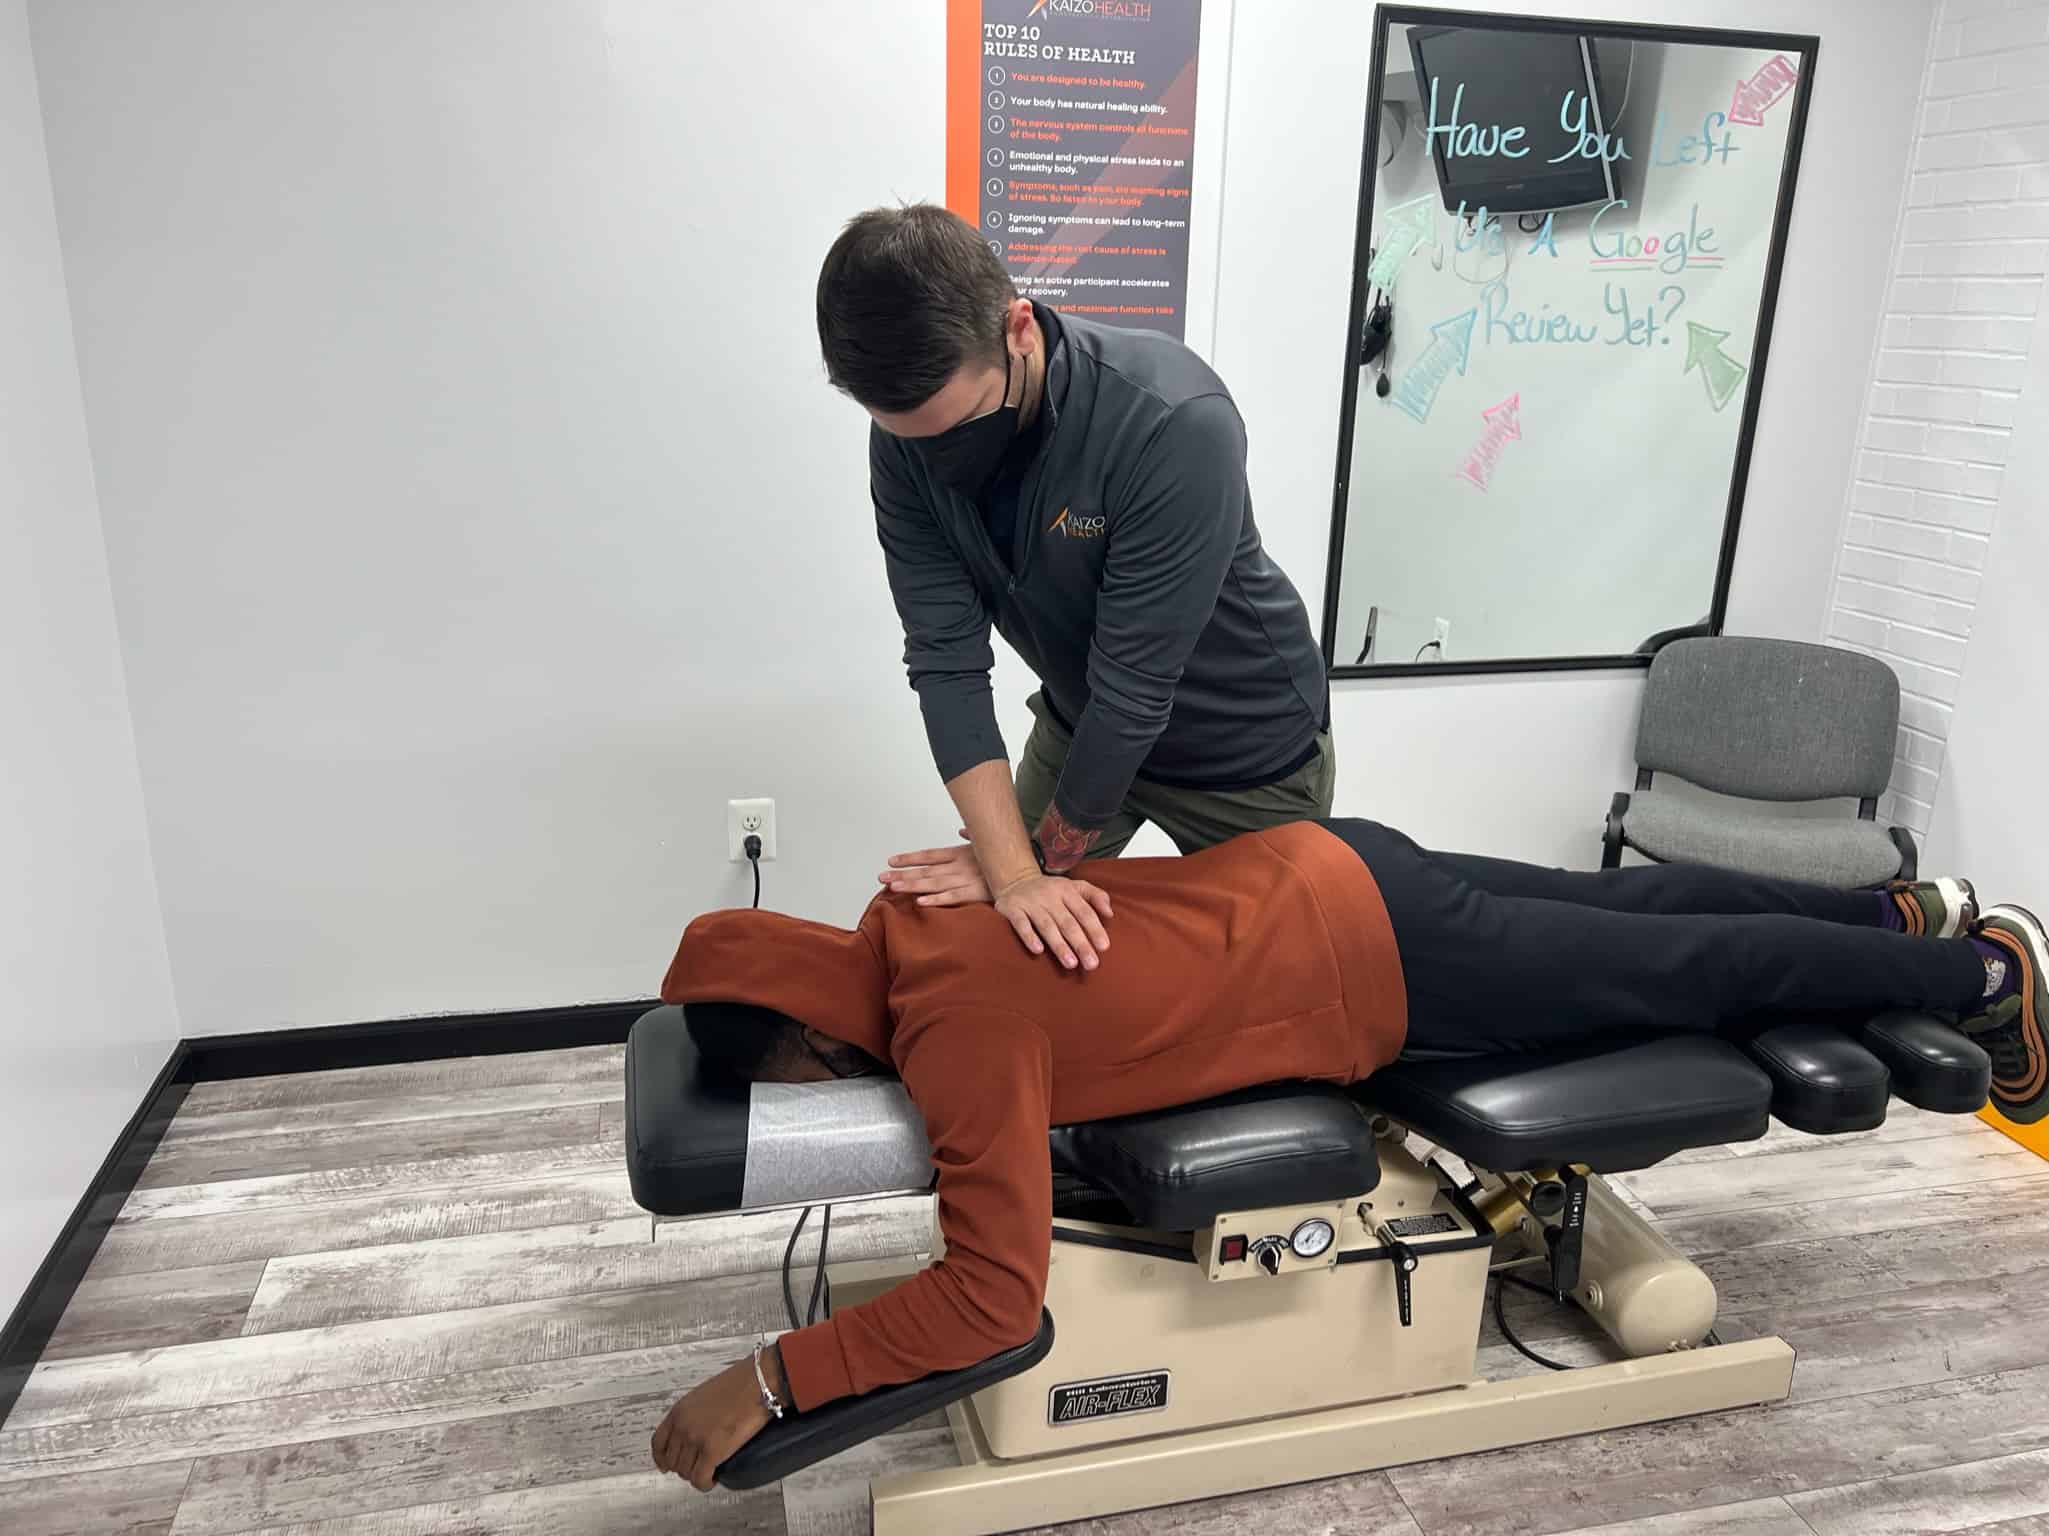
{"x":768,"y":1399}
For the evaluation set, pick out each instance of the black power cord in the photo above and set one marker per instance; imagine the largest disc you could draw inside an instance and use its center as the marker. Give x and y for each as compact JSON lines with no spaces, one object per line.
{"x":752,"y":848}
{"x":1712,"y":1338}
{"x":1501,"y":1282}
{"x":818,"y":1285}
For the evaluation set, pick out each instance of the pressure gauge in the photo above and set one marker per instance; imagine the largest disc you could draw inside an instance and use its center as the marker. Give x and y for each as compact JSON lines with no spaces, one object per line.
{"x":1312,"y":1238}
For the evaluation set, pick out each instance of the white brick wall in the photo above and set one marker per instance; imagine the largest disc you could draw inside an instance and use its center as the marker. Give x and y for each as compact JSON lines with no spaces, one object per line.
{"x":1967,"y":287}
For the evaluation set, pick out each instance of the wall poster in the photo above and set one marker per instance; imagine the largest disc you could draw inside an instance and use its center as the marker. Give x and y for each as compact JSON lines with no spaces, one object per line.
{"x":1070,"y":139}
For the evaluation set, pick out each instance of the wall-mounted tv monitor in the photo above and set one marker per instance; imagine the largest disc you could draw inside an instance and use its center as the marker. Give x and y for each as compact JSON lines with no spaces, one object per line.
{"x":1494,"y":81}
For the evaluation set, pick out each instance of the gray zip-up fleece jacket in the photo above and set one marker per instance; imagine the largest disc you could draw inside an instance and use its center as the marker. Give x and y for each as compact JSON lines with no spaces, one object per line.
{"x":1138,"y":589}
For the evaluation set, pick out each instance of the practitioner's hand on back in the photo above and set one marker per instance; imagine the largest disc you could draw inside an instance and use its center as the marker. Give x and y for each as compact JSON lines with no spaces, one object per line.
{"x":1049,"y":912}
{"x":1061,"y":914}
{"x":938,"y":877}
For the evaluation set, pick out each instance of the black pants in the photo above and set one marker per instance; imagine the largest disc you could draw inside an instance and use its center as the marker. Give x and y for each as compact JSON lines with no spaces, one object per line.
{"x":1501,"y":956}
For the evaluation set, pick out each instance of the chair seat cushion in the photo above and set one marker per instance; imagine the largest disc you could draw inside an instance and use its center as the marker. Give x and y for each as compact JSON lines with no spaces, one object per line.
{"x":1177,"y":1169}
{"x":1839,"y":851}
{"x":1613,"y":1111}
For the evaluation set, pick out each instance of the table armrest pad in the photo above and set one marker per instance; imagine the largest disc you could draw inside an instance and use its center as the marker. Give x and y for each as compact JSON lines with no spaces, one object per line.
{"x":795,"y":1441}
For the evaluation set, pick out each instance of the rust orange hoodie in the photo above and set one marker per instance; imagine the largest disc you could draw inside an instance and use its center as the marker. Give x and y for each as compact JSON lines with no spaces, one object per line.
{"x":1267,"y":958}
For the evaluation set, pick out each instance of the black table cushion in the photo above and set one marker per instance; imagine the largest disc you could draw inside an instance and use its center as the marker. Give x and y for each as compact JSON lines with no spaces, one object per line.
{"x":1613,"y":1110}
{"x":1933,"y":1066}
{"x":1286,"y":1143}
{"x":1823,"y":1081}
{"x":1176,"y":1169}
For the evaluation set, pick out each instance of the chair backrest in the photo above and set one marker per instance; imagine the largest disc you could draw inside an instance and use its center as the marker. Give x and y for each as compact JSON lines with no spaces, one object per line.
{"x":1770,"y":719}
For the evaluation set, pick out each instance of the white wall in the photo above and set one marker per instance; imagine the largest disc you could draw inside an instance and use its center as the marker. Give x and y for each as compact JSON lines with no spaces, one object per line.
{"x":1984,"y":145}
{"x":479,"y":520}
{"x":1933,"y":483}
{"x":1989,"y":821}
{"x":1524,"y":765}
{"x":86,"y":1014}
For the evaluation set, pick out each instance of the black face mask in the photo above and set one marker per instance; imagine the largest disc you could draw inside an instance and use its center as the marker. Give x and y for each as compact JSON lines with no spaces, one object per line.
{"x":965,"y":457}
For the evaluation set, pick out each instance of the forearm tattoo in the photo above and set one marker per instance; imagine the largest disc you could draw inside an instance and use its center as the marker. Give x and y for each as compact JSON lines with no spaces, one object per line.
{"x":1062,"y":843}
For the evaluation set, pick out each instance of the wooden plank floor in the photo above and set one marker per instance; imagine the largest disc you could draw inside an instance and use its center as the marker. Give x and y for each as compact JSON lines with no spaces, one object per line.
{"x":419,"y":1299}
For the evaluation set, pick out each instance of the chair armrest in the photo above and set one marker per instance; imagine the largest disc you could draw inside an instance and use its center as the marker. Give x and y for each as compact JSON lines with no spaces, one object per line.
{"x":796,"y":1440}
{"x":1910,"y":854}
{"x":1611,"y":835}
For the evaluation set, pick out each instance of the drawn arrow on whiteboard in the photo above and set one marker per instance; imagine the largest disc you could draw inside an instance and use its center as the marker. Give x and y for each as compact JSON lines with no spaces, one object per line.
{"x":1722,"y":374}
{"x":1451,"y":344}
{"x":1763,"y":90}
{"x":1408,"y":226}
{"x":1504,"y":425}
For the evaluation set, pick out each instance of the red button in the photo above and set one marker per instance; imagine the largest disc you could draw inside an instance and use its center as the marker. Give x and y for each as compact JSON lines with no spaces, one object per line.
{"x":1231,"y":1250}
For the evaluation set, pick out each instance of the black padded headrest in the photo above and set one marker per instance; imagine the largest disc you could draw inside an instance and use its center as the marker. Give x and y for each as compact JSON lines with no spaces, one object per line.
{"x":686,"y":1122}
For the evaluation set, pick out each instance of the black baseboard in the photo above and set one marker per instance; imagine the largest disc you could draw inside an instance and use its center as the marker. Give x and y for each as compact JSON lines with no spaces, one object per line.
{"x":214,"y":1058}
{"x":49,"y":1292}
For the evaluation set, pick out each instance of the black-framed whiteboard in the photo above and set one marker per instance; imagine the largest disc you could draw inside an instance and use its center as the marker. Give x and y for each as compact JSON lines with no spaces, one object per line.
{"x":1568,"y":253}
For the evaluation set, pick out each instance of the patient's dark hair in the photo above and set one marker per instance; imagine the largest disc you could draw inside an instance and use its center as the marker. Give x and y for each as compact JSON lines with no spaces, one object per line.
{"x":743,"y":1040}
{"x":757,"y":1044}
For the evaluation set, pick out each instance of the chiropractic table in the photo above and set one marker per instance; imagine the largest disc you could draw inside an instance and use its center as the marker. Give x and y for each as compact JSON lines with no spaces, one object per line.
{"x":1271,"y":1287}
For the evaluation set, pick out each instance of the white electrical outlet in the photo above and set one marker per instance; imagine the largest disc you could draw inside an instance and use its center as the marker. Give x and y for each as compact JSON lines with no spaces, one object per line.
{"x":1442,"y":637}
{"x":745,"y":818}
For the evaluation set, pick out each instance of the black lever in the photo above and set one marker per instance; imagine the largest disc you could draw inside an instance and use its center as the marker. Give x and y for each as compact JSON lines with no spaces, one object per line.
{"x":1567,"y":1240}
{"x":1403,"y":1258}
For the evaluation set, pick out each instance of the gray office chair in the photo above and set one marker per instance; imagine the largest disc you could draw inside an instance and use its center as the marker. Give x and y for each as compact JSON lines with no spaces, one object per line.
{"x":1765,"y":720}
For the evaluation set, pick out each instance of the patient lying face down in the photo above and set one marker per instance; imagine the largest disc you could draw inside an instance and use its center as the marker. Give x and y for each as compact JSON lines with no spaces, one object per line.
{"x":1319,"y":951}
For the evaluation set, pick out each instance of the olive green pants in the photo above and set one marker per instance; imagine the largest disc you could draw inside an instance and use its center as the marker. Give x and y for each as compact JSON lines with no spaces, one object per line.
{"x":1193,"y":818}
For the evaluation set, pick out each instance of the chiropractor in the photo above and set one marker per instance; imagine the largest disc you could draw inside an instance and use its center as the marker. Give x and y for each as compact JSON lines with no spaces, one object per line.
{"x":1081,"y":489}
